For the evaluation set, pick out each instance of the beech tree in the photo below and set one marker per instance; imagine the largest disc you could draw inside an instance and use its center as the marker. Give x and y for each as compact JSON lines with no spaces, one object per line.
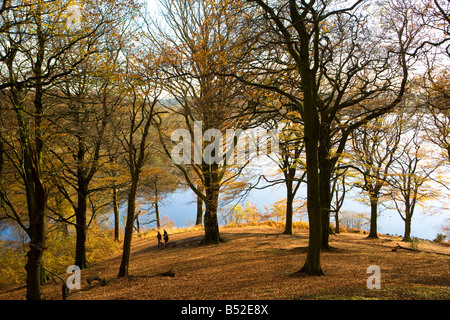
{"x":338,"y":193}
{"x":193,"y":47}
{"x":157,"y":183}
{"x":91,"y":99}
{"x":374,"y":152}
{"x":326,"y":60}
{"x":290,"y":161}
{"x":39,"y":49}
{"x":435,"y":89}
{"x":410,"y":175}
{"x":140,"y":115}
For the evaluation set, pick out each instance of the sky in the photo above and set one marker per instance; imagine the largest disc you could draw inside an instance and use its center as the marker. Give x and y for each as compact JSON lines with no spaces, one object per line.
{"x":152,"y":5}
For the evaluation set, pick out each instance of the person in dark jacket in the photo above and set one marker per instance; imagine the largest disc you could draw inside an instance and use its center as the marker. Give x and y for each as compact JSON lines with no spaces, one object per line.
{"x":166,"y":237}
{"x":159,"y":239}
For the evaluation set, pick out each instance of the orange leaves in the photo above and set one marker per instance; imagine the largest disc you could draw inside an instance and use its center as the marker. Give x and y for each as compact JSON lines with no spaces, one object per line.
{"x":251,"y":214}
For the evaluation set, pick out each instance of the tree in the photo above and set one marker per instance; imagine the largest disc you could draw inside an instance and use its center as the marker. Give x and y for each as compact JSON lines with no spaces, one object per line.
{"x":358,"y":80}
{"x":140,"y":116}
{"x":374,"y":151}
{"x":436,"y":15}
{"x":116,"y":172}
{"x":338,"y":193}
{"x":290,"y":160}
{"x":327,"y":63}
{"x":34,"y":48}
{"x":248,"y":213}
{"x":411,"y":172}
{"x":433,"y":87}
{"x":193,"y":50}
{"x":436,"y":95}
{"x":83,"y":125}
{"x":158,"y":182}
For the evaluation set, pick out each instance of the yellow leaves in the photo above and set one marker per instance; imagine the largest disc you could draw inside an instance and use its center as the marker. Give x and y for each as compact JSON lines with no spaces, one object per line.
{"x":59,"y":253}
{"x":251,"y":214}
{"x":100,"y":243}
{"x":327,"y":26}
{"x":13,"y":263}
{"x":167,"y":223}
{"x":244,"y":214}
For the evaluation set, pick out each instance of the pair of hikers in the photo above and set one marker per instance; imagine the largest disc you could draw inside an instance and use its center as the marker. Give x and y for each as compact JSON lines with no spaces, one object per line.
{"x":166,"y":238}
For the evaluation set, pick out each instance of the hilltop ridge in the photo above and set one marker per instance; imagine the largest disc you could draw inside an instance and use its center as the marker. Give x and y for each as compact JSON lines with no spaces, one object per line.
{"x":258,"y":262}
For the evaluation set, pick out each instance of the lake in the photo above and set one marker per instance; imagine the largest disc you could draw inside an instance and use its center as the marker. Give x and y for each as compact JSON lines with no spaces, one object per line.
{"x":181,"y":208}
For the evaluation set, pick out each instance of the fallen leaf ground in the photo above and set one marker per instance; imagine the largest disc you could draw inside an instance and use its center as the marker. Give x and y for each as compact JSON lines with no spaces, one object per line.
{"x":260,"y":263}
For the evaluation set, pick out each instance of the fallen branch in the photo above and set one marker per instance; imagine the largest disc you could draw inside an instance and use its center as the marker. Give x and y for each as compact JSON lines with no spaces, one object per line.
{"x":65,"y":290}
{"x":169,"y":273}
{"x":400,"y":247}
{"x":101,"y":282}
{"x":270,"y":234}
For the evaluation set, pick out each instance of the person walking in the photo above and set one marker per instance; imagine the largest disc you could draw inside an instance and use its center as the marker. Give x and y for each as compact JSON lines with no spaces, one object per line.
{"x":166,"y":237}
{"x":159,"y":239}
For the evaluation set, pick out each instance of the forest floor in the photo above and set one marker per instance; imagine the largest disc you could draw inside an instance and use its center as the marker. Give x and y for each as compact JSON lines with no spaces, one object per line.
{"x":257,"y":262}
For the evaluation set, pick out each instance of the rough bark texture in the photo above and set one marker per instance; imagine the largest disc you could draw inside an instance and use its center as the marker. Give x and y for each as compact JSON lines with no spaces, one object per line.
{"x":289,"y":207}
{"x":116,"y":215}
{"x":407,"y":234}
{"x":80,"y":227}
{"x":312,"y":264}
{"x":199,"y":219}
{"x":212,"y":235}
{"x":123,"y":270}
{"x":373,"y":218}
{"x":37,"y":244}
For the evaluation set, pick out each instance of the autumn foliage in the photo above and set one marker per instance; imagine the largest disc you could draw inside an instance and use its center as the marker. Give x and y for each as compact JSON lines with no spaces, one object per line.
{"x":93,"y":93}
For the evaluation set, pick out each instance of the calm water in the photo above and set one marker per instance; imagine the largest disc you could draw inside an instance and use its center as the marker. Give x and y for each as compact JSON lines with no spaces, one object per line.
{"x":181,"y":208}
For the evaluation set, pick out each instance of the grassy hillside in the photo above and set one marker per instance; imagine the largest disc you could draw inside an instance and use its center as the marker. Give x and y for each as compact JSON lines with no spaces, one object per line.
{"x":257,"y":262}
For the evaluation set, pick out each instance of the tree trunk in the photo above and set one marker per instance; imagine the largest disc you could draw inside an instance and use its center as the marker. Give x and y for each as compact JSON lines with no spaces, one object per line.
{"x":123,"y":270}
{"x":336,"y":221}
{"x":36,"y":199}
{"x":2,"y":150}
{"x":407,"y":235}
{"x":34,"y":255}
{"x":325,"y":201}
{"x":33,"y":267}
{"x":116,"y":215}
{"x":138,"y":227}
{"x":373,"y":233}
{"x":212,"y":235}
{"x":311,"y":121}
{"x":325,"y":175}
{"x":80,"y":247}
{"x":212,"y":188}
{"x":158,"y":221}
{"x":199,"y":220}
{"x":289,"y":207}
{"x":35,"y":189}
{"x":312,"y":264}
{"x":80,"y":227}
{"x":136,"y":158}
